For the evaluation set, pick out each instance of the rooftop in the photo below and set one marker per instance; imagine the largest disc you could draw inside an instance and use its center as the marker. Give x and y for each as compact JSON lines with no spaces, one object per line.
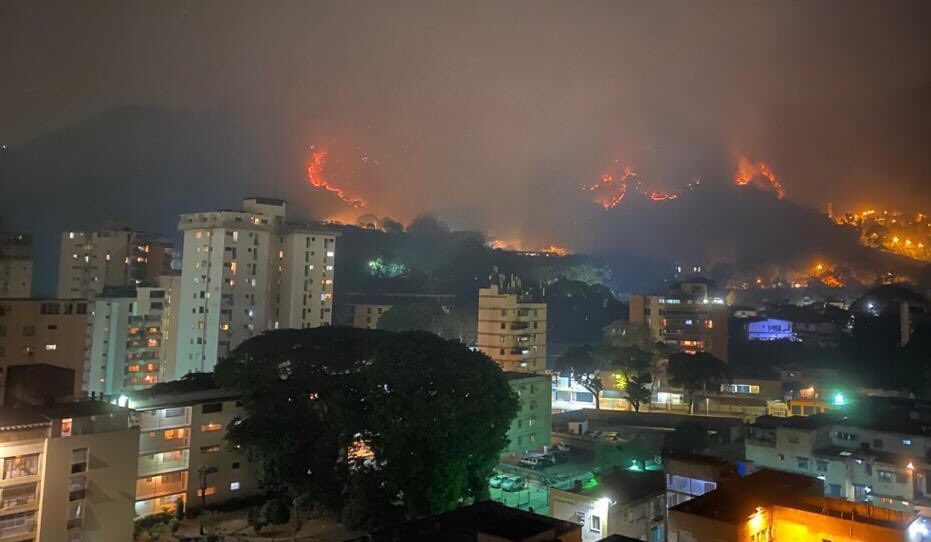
{"x":516,"y":375}
{"x":78,"y":409}
{"x":467,"y":523}
{"x":625,"y":486}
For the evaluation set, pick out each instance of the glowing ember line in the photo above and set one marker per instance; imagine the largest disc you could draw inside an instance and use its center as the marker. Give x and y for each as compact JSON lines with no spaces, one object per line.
{"x":317,"y":179}
{"x":748,"y":172}
{"x":610,"y":191}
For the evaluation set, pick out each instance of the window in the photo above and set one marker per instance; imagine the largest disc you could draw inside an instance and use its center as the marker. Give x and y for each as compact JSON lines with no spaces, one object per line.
{"x":29,"y":331}
{"x":19,"y":466}
{"x":21,"y":495}
{"x":78,"y":460}
{"x":596,"y":524}
{"x":212,"y":426}
{"x":906,"y":442}
{"x":234,"y":486}
{"x":236,"y":465}
{"x":210,"y":449}
{"x":821,"y":466}
{"x":886,"y":476}
{"x":211,"y":407}
{"x":842,"y":435}
{"x":209,"y":491}
{"x":66,"y":425}
{"x":802,"y":462}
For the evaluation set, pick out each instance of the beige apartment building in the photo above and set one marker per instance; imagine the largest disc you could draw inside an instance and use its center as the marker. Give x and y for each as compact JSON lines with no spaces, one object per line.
{"x":691,"y":317}
{"x":366,"y":309}
{"x":49,"y":331}
{"x":15,"y":265}
{"x":510,"y":331}
{"x":245,"y":272}
{"x":183,"y":454}
{"x":66,"y":473}
{"x":115,"y":255}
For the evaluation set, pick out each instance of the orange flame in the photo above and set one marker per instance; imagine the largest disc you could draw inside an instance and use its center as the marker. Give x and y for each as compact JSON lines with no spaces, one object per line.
{"x":610,"y":192}
{"x":748,"y":171}
{"x":317,"y":178}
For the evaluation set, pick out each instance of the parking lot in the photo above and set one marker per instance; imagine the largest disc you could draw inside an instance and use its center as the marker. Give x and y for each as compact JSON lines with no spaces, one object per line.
{"x":535,"y":494}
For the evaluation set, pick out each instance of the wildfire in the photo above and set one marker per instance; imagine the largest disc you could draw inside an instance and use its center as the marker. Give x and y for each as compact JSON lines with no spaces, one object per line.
{"x":610,"y":190}
{"x":317,"y":178}
{"x":761,"y":173}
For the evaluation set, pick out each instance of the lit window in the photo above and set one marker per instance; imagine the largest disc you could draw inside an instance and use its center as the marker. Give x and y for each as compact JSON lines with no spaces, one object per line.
{"x":211,"y":427}
{"x":66,"y":424}
{"x":596,"y":524}
{"x":51,"y":347}
{"x":209,"y":491}
{"x":234,"y":486}
{"x":330,"y":254}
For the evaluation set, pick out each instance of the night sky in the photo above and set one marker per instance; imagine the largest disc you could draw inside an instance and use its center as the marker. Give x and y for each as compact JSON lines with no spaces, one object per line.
{"x":491,"y":114}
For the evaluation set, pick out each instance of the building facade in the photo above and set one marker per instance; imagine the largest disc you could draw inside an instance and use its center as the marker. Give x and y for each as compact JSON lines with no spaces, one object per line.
{"x":622,"y":503}
{"x":770,"y":506}
{"x":532,"y":427}
{"x":690,"y":317}
{"x":66,"y":473}
{"x":364,"y":310}
{"x":129,"y":349}
{"x":50,"y":331}
{"x":245,"y":272}
{"x":88,"y":262}
{"x":183,"y":454}
{"x":15,"y":265}
{"x":510,"y":331}
{"x":884,"y":463}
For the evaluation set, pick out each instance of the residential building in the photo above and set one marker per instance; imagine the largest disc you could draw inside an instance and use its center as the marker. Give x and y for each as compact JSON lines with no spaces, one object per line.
{"x":512,"y":331}
{"x":37,"y":384}
{"x":127,"y":348}
{"x":624,"y":502}
{"x":486,"y":521}
{"x":364,"y":310}
{"x":691,"y":317}
{"x":115,"y":255}
{"x":52,"y":331}
{"x":690,"y":475}
{"x":15,"y":265}
{"x":770,"y":506}
{"x":244,"y":272}
{"x":532,"y":427}
{"x":769,"y":329}
{"x":183,"y":454}
{"x":68,"y":472}
{"x":873,"y":452}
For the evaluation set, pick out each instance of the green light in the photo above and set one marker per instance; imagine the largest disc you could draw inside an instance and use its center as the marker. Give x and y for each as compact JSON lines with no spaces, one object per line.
{"x":634,"y":466}
{"x":839,"y":399}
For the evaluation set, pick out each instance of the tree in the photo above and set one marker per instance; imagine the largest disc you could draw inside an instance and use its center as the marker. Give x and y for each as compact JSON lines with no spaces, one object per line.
{"x":638,"y":390}
{"x":694,"y":372}
{"x":408,"y":424}
{"x":256,"y":519}
{"x":418,"y":315}
{"x":586,"y":363}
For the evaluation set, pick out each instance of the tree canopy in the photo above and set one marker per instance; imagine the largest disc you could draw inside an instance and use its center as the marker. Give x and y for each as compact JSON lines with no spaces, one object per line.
{"x":378,"y":426}
{"x":697,"y":372}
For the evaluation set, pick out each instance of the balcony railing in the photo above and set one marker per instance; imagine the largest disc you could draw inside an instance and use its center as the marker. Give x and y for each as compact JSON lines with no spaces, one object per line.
{"x":158,"y":419}
{"x":157,"y":486}
{"x":158,"y":443}
{"x":150,"y":465}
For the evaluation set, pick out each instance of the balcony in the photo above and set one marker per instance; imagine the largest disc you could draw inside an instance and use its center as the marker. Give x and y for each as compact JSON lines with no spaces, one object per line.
{"x":164,"y":441}
{"x":166,"y":418}
{"x":14,"y":526}
{"x":159,"y":486}
{"x":150,"y":465}
{"x":516,"y":326}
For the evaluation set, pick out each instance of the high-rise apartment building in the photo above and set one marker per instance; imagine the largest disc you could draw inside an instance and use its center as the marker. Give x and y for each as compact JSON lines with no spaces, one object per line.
{"x":68,"y":472}
{"x":511,"y":331}
{"x":15,"y":265}
{"x":245,"y":272}
{"x":49,"y":331}
{"x":691,"y":317}
{"x":130,"y":346}
{"x":113,"y":256}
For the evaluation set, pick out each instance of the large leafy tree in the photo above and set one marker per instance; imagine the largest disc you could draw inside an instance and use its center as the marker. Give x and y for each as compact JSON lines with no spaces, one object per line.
{"x":697,"y":372}
{"x":376,"y":425}
{"x":587,"y":365}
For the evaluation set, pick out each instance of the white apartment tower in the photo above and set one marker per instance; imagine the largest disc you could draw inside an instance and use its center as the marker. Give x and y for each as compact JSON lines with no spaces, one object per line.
{"x":113,"y":256}
{"x":132,"y":342}
{"x":244,"y":272}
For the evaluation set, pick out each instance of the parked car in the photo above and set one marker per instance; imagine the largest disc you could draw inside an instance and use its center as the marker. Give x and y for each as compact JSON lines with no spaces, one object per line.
{"x":513,"y":483}
{"x":496,"y":481}
{"x":563,"y":448}
{"x":534,"y":462}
